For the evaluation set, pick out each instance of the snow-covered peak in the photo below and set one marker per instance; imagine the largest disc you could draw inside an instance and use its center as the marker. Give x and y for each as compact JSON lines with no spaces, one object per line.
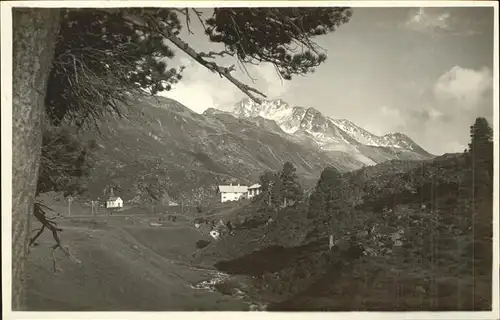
{"x":327,"y":132}
{"x":357,"y":133}
{"x":249,"y":108}
{"x":286,"y":116}
{"x":400,"y":140}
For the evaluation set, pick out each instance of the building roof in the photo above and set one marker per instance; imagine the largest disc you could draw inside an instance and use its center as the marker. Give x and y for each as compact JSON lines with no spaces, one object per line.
{"x":236,"y":189}
{"x":254,"y":186}
{"x":113,"y":198}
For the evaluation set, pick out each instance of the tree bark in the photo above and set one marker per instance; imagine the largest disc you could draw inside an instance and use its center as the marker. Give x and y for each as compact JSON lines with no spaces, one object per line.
{"x":33,"y":40}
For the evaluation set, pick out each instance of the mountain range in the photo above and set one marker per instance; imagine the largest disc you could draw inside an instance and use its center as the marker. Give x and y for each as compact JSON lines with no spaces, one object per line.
{"x":309,"y":126}
{"x":161,"y":149}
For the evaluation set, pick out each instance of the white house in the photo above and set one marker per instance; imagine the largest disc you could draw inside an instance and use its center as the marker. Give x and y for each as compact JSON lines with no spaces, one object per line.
{"x":172,"y":204}
{"x":254,"y":190}
{"x":237,"y":192}
{"x":114,"y":202}
{"x":232,"y":193}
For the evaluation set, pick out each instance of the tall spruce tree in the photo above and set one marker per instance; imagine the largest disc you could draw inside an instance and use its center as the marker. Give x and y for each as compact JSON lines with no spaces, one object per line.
{"x":480,"y":155}
{"x":480,"y":159}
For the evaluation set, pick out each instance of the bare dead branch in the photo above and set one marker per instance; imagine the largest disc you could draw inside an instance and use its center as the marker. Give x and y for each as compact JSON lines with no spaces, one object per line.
{"x":225,"y":72}
{"x":46,"y":222}
{"x":66,"y":251}
{"x":238,"y":32}
{"x":244,"y":68}
{"x":200,"y":19}
{"x":38,"y":234}
{"x":188,"y":20}
{"x":212,"y":54}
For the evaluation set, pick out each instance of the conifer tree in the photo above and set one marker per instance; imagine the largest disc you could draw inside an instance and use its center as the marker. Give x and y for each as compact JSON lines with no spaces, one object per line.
{"x":66,"y":161}
{"x":267,"y":181}
{"x":324,"y":199}
{"x":480,"y":154}
{"x":480,"y":159}
{"x":291,"y":191}
{"x":277,"y":196}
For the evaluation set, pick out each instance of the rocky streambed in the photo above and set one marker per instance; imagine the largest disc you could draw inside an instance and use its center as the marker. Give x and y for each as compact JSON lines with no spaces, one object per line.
{"x":235,"y":286}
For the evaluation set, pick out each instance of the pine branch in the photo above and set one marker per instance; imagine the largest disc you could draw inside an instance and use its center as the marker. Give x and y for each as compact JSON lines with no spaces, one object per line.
{"x":212,"y":66}
{"x":225,"y":72}
{"x":212,"y":54}
{"x":200,"y":18}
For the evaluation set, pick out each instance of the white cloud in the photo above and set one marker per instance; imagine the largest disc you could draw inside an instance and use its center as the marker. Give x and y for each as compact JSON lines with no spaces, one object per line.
{"x":455,"y":146}
{"x":426,"y":21}
{"x":434,"y":114}
{"x":457,"y":97}
{"x":274,"y":86}
{"x":437,"y":22}
{"x":201,"y":89}
{"x":440,"y":119}
{"x":463,"y":88}
{"x":389,"y":119}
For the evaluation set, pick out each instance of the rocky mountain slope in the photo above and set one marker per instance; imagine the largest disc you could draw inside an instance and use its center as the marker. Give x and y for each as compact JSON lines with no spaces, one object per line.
{"x":308,"y":124}
{"x":161,"y":150}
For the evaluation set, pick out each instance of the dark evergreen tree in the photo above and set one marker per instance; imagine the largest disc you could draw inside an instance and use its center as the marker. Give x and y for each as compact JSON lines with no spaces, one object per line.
{"x":323,"y":201}
{"x":66,"y":161}
{"x":480,"y":155}
{"x":267,"y":181}
{"x":291,"y":191}
{"x":273,"y":35}
{"x":481,"y":135}
{"x":480,"y":184}
{"x":277,"y":195}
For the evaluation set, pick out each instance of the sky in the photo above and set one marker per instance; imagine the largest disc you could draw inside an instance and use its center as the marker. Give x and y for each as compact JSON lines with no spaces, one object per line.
{"x":424,"y":72}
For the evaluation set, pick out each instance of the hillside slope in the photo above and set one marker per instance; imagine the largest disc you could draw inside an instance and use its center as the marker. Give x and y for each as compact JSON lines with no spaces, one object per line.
{"x":126,"y":265}
{"x":409,"y":235}
{"x":163,"y":149}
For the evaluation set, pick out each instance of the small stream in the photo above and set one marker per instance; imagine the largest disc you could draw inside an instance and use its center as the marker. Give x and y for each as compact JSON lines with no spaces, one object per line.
{"x":229,"y":285}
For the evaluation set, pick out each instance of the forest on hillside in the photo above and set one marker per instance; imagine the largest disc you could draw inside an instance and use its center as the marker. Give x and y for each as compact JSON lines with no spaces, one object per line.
{"x":396,"y":236}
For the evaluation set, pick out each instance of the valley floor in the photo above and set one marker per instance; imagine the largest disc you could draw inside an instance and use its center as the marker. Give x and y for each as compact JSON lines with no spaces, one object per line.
{"x":147,"y":263}
{"x":126,"y":265}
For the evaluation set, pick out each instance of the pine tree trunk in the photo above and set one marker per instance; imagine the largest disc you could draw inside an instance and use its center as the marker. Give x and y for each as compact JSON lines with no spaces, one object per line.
{"x":34,"y":34}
